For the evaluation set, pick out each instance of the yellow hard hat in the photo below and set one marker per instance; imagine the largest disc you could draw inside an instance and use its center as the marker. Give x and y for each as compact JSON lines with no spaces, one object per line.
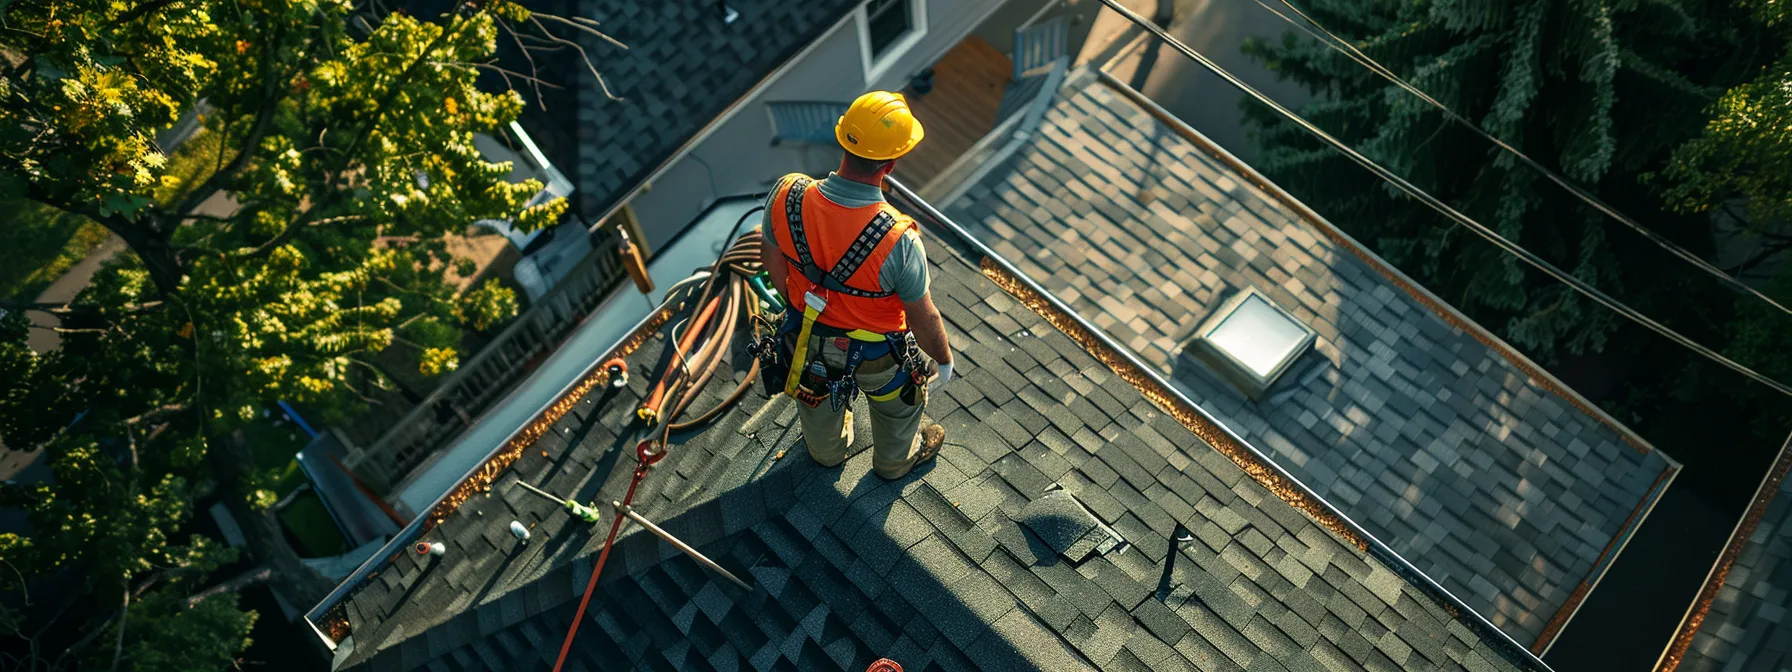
{"x":878,"y":126}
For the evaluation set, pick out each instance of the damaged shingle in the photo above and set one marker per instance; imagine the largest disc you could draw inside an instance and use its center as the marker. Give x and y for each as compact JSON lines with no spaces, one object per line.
{"x":1067,"y":527}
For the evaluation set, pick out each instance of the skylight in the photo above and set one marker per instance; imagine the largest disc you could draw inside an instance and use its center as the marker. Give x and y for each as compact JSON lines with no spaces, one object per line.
{"x":1251,"y":341}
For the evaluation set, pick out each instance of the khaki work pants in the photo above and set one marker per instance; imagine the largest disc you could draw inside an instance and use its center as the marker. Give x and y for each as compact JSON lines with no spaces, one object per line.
{"x":895,"y":424}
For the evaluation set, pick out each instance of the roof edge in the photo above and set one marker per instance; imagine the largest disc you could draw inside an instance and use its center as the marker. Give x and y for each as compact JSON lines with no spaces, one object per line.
{"x":1570,"y":608}
{"x":1675,"y":651}
{"x":1253,"y":462}
{"x":1393,"y":274}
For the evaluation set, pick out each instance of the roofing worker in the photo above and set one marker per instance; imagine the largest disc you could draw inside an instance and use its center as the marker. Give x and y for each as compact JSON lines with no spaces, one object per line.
{"x":860,"y":315}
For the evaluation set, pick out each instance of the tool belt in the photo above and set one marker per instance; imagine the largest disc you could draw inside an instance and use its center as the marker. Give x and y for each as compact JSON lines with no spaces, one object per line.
{"x":786,"y":364}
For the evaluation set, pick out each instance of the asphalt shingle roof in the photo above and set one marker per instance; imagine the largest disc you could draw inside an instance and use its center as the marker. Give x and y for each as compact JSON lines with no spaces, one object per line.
{"x":930,"y":570}
{"x":1746,"y":627}
{"x":682,"y":68}
{"x":1443,"y":447}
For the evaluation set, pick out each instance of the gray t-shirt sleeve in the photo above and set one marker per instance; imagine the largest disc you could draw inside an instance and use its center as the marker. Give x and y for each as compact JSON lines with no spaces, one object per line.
{"x":905,"y":269}
{"x":765,"y":218}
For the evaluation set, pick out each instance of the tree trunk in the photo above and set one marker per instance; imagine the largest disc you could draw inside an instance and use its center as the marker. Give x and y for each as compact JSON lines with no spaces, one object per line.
{"x":232,"y":464}
{"x":153,"y":249}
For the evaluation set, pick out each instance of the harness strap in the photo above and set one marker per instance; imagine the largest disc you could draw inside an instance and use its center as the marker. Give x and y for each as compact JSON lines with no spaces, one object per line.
{"x":856,"y":254}
{"x":793,"y":213}
{"x":799,"y":360}
{"x":862,"y":247}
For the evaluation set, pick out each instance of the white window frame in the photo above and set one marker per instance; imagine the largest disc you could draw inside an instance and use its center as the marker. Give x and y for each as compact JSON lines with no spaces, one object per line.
{"x":879,"y":66}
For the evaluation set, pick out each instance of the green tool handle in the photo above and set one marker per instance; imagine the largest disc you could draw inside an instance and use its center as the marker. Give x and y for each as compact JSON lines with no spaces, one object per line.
{"x":762,"y":285}
{"x":581,"y":512}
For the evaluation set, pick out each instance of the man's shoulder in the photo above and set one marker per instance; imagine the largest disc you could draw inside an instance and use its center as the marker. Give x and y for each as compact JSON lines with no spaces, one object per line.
{"x":908,"y":243}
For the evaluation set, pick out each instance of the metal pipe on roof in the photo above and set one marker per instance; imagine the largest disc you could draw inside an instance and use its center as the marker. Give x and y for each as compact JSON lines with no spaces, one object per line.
{"x":680,"y":545}
{"x":1377,"y":549}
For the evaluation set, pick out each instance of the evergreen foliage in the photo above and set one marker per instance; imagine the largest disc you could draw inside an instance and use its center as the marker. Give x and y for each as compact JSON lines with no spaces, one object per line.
{"x":1601,"y":91}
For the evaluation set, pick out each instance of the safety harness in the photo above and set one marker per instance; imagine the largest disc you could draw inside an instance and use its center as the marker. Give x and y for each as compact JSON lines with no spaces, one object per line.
{"x":811,"y":381}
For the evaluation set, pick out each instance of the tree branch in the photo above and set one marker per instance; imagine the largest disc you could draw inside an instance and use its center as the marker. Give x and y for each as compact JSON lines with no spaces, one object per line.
{"x":206,"y":216}
{"x":154,"y":413}
{"x":132,"y":15}
{"x":124,"y":616}
{"x":75,"y":309}
{"x":251,"y":577}
{"x":601,"y":82}
{"x":585,"y":25}
{"x":292,"y":230}
{"x":533,"y":71}
{"x":264,"y":117}
{"x":507,"y":74}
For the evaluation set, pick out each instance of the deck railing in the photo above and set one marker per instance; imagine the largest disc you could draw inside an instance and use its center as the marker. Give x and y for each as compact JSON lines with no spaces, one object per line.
{"x":490,"y":373}
{"x":804,"y":121}
{"x":1039,"y":46}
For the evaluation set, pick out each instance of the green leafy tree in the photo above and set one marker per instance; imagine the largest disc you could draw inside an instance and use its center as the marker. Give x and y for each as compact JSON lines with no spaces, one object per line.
{"x":346,"y":156}
{"x":1739,"y":172}
{"x":1600,"y":91}
{"x":487,"y":306}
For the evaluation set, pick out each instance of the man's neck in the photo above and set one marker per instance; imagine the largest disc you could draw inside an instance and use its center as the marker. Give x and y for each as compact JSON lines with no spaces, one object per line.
{"x":873,"y":180}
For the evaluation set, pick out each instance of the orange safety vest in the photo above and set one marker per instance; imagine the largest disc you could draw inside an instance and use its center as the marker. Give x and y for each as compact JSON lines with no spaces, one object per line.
{"x":843,"y":251}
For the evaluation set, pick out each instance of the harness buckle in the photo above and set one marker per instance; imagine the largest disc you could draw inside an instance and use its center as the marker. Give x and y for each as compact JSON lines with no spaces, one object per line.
{"x":842,"y":392}
{"x":772,"y":367}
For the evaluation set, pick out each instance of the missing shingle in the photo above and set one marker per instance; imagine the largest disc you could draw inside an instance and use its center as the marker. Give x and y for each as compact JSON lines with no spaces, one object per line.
{"x":1066,"y":526}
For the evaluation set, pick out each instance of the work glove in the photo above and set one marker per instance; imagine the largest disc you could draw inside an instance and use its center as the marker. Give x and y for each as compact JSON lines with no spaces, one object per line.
{"x":943,"y":376}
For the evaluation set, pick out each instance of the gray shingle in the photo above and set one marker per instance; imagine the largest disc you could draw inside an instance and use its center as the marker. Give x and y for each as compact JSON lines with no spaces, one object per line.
{"x":1395,"y":391}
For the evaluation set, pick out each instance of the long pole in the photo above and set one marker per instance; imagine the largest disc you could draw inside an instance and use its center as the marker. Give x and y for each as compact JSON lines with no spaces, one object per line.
{"x":680,"y":545}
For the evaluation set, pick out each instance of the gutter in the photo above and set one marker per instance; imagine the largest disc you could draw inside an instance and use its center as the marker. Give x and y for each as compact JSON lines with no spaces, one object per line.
{"x":1694,"y":618}
{"x":1515,"y":652}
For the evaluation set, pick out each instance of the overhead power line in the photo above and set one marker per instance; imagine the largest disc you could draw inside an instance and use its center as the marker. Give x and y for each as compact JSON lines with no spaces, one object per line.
{"x":1499,"y":241}
{"x":1342,"y":46}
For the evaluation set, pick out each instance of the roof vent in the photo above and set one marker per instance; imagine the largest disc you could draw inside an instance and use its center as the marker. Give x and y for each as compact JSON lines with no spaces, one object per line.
{"x":1067,"y":527}
{"x":1251,"y":341}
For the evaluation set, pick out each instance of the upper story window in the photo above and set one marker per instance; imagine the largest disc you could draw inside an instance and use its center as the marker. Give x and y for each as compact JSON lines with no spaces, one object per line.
{"x":887,"y":21}
{"x":887,"y":29}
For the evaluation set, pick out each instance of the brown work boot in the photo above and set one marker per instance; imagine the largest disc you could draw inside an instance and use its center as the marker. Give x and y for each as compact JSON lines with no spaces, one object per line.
{"x":932,"y":437}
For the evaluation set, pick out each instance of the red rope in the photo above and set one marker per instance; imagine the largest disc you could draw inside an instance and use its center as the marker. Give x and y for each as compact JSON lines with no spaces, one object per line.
{"x":648,"y":457}
{"x":653,"y":449}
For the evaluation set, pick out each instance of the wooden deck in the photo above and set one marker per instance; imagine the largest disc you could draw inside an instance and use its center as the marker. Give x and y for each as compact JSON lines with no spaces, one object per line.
{"x":967,"y":91}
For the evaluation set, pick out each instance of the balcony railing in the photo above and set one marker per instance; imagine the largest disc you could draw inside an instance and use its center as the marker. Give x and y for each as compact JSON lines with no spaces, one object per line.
{"x":490,"y":373}
{"x":804,"y":121}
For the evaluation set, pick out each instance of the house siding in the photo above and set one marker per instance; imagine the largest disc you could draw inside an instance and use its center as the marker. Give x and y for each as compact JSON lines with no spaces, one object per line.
{"x":738,"y":157}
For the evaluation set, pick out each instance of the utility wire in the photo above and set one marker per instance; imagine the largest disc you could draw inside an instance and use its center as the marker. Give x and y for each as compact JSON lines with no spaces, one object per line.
{"x":1344,"y":47}
{"x":1384,"y":173}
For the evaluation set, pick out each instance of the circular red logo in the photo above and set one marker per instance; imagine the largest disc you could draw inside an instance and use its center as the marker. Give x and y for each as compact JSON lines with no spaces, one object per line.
{"x":884,"y":665}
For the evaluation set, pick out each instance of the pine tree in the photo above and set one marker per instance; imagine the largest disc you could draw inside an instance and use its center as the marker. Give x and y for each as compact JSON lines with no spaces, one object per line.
{"x":1601,"y":91}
